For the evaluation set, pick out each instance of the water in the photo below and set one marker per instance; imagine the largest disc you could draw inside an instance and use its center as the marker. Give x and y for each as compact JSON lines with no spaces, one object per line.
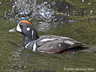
{"x":77,"y":20}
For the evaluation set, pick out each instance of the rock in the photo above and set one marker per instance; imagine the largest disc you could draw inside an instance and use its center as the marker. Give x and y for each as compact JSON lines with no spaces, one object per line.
{"x":28,"y":9}
{"x":44,"y":13}
{"x":0,"y":3}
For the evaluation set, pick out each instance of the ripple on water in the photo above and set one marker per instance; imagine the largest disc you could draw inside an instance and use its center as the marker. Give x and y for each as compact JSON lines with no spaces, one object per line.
{"x":16,"y":61}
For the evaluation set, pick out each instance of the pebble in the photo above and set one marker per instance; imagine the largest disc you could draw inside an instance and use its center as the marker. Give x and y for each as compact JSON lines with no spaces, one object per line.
{"x":0,"y":3}
{"x":83,"y":1}
{"x":25,"y":67}
{"x":89,"y":3}
{"x":20,"y":66}
{"x":2,"y":67}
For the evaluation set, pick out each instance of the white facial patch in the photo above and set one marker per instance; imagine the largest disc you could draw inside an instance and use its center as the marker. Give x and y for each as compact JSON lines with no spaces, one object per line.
{"x":43,"y":40}
{"x":34,"y":47}
{"x":69,"y":42}
{"x":18,"y":28}
{"x":28,"y":29}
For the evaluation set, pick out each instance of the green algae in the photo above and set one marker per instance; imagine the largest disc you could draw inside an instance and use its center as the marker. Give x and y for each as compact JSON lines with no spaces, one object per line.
{"x":14,"y":58}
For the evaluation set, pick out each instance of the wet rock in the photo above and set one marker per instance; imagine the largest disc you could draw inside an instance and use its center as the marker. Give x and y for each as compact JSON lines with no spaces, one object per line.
{"x":80,"y":12}
{"x":62,"y":6}
{"x":71,"y":21}
{"x":91,"y":19}
{"x":63,"y":19}
{"x":43,"y":26}
{"x":21,"y":9}
{"x":22,"y":67}
{"x":44,"y":13}
{"x":28,"y":9}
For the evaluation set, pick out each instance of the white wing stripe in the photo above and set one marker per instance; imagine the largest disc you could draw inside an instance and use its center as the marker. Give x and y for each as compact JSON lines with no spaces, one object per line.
{"x":43,"y":40}
{"x":69,"y":42}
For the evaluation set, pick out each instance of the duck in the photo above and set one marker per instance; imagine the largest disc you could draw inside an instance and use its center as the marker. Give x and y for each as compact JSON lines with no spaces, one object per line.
{"x":44,"y":43}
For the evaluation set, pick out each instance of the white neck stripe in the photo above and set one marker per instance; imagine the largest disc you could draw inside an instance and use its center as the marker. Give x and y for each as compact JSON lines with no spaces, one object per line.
{"x":32,"y":34}
{"x":27,"y":44}
{"x":34,"y":47}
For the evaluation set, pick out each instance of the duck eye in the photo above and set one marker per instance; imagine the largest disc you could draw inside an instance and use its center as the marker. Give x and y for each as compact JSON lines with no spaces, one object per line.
{"x":28,"y":29}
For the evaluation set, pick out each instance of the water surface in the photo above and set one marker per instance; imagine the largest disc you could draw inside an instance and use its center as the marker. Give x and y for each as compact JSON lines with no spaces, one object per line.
{"x":14,"y":58}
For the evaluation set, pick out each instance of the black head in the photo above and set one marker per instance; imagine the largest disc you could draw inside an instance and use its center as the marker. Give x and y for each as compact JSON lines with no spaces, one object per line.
{"x":26,"y":28}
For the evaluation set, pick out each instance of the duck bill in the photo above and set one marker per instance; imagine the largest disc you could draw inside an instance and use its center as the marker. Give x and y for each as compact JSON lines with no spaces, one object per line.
{"x":13,"y":30}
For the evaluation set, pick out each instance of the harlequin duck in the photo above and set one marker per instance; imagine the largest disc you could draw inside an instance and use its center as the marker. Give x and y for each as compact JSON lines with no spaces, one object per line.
{"x":44,"y":43}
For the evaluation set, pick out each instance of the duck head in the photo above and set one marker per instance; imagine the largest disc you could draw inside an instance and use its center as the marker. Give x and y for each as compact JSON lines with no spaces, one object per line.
{"x":27,"y":29}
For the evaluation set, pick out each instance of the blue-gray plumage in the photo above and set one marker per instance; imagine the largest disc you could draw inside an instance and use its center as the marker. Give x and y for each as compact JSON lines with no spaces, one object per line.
{"x":44,"y":43}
